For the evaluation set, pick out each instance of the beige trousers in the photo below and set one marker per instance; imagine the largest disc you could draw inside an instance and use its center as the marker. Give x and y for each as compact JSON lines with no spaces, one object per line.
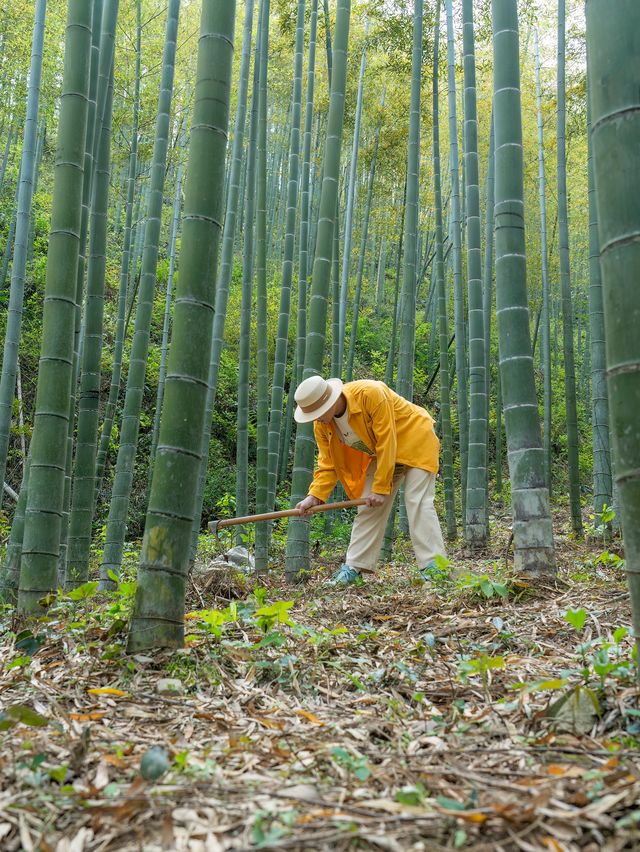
{"x":368,"y":529}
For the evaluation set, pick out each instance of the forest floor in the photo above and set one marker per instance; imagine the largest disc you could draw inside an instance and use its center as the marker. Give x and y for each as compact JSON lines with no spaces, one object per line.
{"x":470,"y":715}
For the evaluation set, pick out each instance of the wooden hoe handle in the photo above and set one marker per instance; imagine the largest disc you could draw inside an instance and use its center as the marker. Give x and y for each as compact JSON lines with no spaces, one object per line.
{"x":214,"y":526}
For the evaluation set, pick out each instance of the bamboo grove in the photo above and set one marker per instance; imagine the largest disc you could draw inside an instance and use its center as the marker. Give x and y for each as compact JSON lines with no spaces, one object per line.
{"x":203,"y":203}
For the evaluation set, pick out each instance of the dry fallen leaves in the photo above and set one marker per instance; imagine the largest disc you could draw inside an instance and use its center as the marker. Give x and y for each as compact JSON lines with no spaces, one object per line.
{"x":357,"y":728}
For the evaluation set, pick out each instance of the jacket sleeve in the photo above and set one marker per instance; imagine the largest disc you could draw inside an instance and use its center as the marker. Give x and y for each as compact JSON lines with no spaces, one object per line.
{"x":383,"y":425}
{"x":324,"y":476}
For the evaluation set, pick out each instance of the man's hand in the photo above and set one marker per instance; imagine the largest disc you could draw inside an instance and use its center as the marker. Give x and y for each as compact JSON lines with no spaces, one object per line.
{"x":308,"y":503}
{"x":376,"y":500}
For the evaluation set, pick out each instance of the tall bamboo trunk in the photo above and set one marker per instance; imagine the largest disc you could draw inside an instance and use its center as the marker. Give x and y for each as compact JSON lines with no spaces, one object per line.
{"x":613,"y":50}
{"x":21,"y":241}
{"x":476,"y":524}
{"x":348,"y":216}
{"x":234,"y":195}
{"x":305,"y":199}
{"x":602,"y":480}
{"x":282,"y":337}
{"x":364,"y":238}
{"x":565,"y":284}
{"x":123,"y":480}
{"x":407,"y":341}
{"x":83,"y":484}
{"x":546,"y":317}
{"x":532,"y":529}
{"x":262,"y":360}
{"x":158,"y":616}
{"x":462,"y":396}
{"x":41,"y":544}
{"x":116,"y":373}
{"x":297,"y":556}
{"x":445,"y":401}
{"x":87,"y":187}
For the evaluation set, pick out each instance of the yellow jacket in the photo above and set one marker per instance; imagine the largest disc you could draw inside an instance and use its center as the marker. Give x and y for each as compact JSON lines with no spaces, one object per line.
{"x":396,"y":431}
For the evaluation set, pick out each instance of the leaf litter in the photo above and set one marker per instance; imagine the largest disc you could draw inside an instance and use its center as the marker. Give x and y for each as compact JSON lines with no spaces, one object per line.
{"x":476,"y":714}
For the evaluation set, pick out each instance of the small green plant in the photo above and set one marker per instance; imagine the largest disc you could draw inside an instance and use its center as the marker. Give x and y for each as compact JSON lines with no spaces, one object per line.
{"x":356,"y":766}
{"x":275,"y":613}
{"x":482,"y":586}
{"x":213,"y":620}
{"x":600,"y":523}
{"x":481,"y":665}
{"x":414,"y":795}
{"x":268,"y":828}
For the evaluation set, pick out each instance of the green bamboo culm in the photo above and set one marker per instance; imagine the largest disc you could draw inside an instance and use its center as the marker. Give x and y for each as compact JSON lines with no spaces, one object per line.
{"x":84,"y":482}
{"x":234,"y":194}
{"x":158,"y":615}
{"x":391,"y":354}
{"x":5,"y":157}
{"x":116,"y":372}
{"x":602,"y":480}
{"x":532,"y":529}
{"x":407,"y":337}
{"x":305,"y":200}
{"x":21,"y":241}
{"x":364,"y":238}
{"x":546,"y":315}
{"x":476,"y":524}
{"x":87,"y":184}
{"x":352,"y":188}
{"x":10,"y":573}
{"x":244,"y":347}
{"x":168,"y":299}
{"x":565,"y":285}
{"x":41,"y":544}
{"x":487,"y":293}
{"x":445,"y":401}
{"x":462,"y":397}
{"x":282,"y":336}
{"x":613,"y":63}
{"x":262,"y":344}
{"x":297,"y":554}
{"x":123,"y":480}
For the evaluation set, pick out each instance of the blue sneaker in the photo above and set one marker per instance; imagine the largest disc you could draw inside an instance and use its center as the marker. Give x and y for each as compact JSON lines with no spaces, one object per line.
{"x":345,"y":576}
{"x":430,"y":572}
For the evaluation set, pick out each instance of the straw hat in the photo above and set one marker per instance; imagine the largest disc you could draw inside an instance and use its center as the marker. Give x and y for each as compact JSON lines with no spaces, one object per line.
{"x":315,"y":396}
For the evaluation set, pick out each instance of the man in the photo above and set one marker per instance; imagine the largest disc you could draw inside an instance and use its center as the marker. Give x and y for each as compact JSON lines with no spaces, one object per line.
{"x":372,"y":439}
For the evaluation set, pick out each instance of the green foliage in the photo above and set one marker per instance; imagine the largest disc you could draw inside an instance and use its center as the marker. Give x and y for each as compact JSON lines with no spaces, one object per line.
{"x":355,"y":765}
{"x":17,"y":714}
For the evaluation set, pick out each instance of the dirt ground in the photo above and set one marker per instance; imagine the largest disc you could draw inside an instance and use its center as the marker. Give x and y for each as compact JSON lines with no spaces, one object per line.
{"x":470,"y":714}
